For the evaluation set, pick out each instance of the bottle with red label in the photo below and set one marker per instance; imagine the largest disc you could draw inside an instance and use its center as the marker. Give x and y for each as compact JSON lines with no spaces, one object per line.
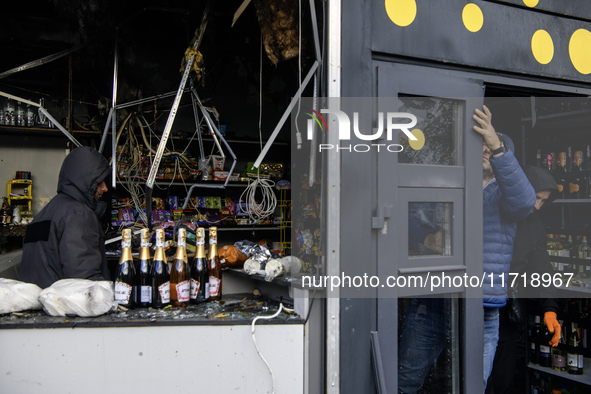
{"x":199,"y":271}
{"x":180,"y":274}
{"x":160,"y":274}
{"x":125,"y":278}
{"x":215,"y":268}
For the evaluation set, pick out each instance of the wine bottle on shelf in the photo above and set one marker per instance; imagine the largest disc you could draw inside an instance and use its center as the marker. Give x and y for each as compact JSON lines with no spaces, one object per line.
{"x":145,"y":280}
{"x":539,"y":161}
{"x":215,"y":268}
{"x":199,"y":271}
{"x":160,"y":274}
{"x":569,"y":159}
{"x":574,"y":358}
{"x":544,"y":346}
{"x":562,"y":186}
{"x":578,"y":163}
{"x":587,"y":164}
{"x":584,"y":249}
{"x":574,"y":187}
{"x":557,"y":353}
{"x":561,"y":167}
{"x":534,"y":355}
{"x":125,"y":278}
{"x":180,"y":274}
{"x":549,"y":163}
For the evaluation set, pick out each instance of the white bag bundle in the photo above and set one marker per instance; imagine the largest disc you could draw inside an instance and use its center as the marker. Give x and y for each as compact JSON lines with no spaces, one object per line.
{"x":81,"y":297}
{"x":16,"y":296}
{"x":282,"y":266}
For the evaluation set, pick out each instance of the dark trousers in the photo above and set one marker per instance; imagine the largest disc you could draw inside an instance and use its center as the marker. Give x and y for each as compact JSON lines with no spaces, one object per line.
{"x":505,"y":364}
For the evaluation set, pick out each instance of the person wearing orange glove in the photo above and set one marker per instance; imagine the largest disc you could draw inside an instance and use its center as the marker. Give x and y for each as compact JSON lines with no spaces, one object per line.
{"x":530,"y":255}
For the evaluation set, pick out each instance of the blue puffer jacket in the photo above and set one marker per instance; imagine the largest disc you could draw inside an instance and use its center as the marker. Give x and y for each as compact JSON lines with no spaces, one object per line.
{"x":507,"y":199}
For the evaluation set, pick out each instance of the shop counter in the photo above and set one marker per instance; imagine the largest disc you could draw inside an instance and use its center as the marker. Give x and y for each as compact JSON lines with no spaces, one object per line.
{"x":203,"y":348}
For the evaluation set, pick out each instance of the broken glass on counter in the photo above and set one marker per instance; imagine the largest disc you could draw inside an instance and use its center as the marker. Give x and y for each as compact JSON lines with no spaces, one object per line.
{"x":232,"y":309}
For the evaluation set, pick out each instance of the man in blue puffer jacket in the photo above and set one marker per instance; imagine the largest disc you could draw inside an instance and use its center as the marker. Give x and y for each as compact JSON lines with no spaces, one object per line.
{"x":508,"y":197}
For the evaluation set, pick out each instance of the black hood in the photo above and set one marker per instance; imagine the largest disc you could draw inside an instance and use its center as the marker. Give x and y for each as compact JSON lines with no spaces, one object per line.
{"x":541,"y":179}
{"x":82,"y":171}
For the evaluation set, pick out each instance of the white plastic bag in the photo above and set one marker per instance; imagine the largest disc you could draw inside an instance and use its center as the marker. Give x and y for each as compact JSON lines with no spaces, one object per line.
{"x":282,"y":266}
{"x":81,"y":297}
{"x":17,"y":296}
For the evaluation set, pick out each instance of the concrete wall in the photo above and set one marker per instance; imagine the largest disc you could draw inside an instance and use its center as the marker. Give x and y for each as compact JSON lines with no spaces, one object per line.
{"x":41,"y":155}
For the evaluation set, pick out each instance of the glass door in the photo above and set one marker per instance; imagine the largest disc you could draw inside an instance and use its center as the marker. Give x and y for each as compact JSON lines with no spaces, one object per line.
{"x":429,"y":234}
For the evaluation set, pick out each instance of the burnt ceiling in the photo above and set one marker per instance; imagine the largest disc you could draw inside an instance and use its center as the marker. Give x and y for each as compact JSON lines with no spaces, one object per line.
{"x":151,"y":37}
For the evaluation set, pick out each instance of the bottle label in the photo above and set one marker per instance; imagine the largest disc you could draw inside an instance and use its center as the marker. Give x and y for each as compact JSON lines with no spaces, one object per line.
{"x":122,"y":293}
{"x":574,"y":360}
{"x":164,"y":290}
{"x":146,"y":294}
{"x":194,"y":289}
{"x":573,"y":187}
{"x":544,"y":351}
{"x":558,"y":360}
{"x":200,"y":242}
{"x":126,"y":243}
{"x":183,"y":290}
{"x":578,"y":158}
{"x":214,"y":286}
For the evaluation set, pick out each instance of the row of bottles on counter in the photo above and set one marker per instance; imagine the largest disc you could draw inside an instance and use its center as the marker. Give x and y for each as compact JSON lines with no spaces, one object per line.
{"x":157,"y":283}
{"x":575,"y":247}
{"x":568,"y":356}
{"x":15,"y":113}
{"x":565,"y":160}
{"x":560,"y":358}
{"x":567,"y":166}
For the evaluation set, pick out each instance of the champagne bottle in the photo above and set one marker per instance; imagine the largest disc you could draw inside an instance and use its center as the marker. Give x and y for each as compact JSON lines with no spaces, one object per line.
{"x":145,"y":281}
{"x":180,"y":274}
{"x":574,"y":358}
{"x":125,"y":278}
{"x":562,"y":163}
{"x":199,"y":271}
{"x":160,"y":275}
{"x":215,"y":268}
{"x":578,"y":163}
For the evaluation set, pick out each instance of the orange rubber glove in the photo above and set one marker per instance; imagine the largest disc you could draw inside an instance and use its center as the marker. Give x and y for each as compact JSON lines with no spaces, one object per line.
{"x":553,"y":327}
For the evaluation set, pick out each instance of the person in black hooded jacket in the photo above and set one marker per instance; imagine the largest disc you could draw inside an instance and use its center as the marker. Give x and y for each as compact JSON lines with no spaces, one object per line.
{"x":530,"y":256}
{"x":66,"y":240}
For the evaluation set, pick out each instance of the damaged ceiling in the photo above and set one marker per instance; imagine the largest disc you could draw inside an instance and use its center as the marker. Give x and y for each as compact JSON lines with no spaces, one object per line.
{"x":151,"y":37}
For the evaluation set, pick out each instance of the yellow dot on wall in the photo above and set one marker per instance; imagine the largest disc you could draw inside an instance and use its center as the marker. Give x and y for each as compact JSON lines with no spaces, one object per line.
{"x":472,"y":17}
{"x":542,"y":46}
{"x":579,"y":49}
{"x":420,"y":141}
{"x":531,"y":3}
{"x":401,"y":12}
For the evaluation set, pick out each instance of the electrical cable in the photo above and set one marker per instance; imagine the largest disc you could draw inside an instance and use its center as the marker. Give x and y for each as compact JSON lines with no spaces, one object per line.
{"x":298,"y":133}
{"x":255,"y":341}
{"x":259,"y":211}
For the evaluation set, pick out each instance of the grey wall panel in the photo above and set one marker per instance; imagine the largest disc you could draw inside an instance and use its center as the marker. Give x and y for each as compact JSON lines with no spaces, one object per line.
{"x":358,"y":174}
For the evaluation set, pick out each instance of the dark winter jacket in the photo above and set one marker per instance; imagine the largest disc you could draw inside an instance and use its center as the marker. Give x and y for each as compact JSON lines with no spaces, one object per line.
{"x":530,"y":253}
{"x":65,"y":240}
{"x":507,"y":199}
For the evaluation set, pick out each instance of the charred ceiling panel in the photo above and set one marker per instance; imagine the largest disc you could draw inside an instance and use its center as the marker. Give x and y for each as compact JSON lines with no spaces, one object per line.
{"x":486,"y":35}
